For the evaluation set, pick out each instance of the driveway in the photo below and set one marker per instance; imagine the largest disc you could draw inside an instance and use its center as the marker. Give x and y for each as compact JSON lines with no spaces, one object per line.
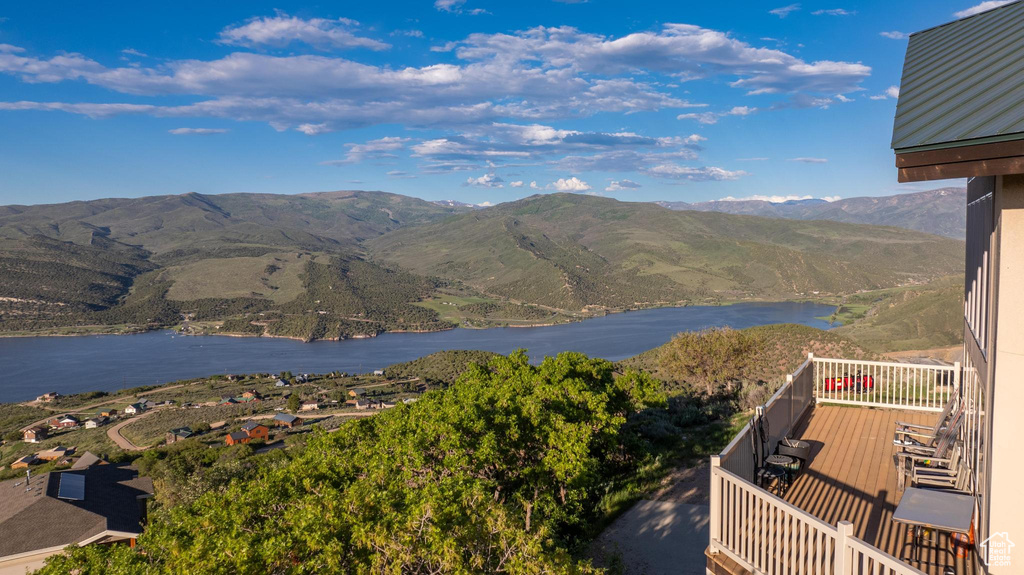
{"x":664,"y":534}
{"x":114,"y":432}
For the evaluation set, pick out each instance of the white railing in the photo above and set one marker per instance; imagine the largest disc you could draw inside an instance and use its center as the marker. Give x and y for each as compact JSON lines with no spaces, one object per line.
{"x":884,"y":384}
{"x":766,"y":534}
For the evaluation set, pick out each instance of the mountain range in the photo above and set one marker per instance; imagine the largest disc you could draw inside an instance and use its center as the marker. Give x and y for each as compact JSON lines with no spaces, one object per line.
{"x":942,"y":211}
{"x":347,"y":264}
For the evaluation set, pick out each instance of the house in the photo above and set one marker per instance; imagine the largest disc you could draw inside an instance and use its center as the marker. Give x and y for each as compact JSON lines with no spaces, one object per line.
{"x":178,"y":434}
{"x":88,"y":459}
{"x":356,"y":392}
{"x":25,"y":462}
{"x":64,"y":422}
{"x":228,"y":401}
{"x":256,"y":430}
{"x":378,"y":372}
{"x":95,"y":422}
{"x":147,"y":403}
{"x":135,"y":409}
{"x":362,"y":404}
{"x":386,"y":404}
{"x":48,"y":397}
{"x":55,"y":453}
{"x":250,"y":431}
{"x":309,"y":405}
{"x":280,"y":383}
{"x":959,"y":114}
{"x":237,"y":437}
{"x":34,"y":434}
{"x":287,"y":420}
{"x":110,"y":412}
{"x":252,"y":394}
{"x":100,"y":504}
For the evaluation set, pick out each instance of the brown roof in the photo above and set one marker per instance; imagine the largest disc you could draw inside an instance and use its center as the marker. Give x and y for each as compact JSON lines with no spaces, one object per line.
{"x":36,"y":519}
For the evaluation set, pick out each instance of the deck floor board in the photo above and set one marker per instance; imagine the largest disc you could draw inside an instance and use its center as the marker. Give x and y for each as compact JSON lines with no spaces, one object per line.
{"x":851,"y":476}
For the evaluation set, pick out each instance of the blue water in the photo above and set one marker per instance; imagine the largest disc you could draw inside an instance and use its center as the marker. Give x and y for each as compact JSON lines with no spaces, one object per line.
{"x":34,"y":365}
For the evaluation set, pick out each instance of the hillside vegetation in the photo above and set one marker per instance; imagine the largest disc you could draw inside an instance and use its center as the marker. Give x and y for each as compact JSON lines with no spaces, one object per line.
{"x":917,"y":318}
{"x":570,"y":252}
{"x":351,"y":264}
{"x":942,"y":211}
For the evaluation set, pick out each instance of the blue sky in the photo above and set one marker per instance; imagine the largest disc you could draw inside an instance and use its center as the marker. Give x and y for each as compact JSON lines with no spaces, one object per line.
{"x":476,"y":101}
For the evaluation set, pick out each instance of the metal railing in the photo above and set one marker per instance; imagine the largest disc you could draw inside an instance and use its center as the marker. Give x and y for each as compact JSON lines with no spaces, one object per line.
{"x":884,"y":384}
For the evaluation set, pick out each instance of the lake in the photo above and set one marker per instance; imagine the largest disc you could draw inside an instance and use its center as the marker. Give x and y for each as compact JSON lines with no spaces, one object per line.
{"x":32,"y":366}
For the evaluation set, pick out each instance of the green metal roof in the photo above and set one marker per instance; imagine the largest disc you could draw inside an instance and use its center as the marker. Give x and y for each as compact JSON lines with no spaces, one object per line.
{"x":963,"y":83}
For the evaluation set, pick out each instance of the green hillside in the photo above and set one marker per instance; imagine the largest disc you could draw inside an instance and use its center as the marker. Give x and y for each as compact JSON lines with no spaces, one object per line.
{"x":572,"y":251}
{"x":350,"y":264}
{"x":916,"y":318}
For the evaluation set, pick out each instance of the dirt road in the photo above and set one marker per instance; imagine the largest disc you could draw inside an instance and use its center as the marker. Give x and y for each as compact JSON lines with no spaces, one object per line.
{"x":114,"y":433}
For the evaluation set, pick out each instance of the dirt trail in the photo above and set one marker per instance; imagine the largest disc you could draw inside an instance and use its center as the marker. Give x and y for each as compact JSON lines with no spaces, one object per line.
{"x":114,"y":433}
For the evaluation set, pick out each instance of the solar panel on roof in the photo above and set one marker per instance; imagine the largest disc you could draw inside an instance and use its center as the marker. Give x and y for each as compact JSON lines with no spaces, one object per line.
{"x":72,"y":486}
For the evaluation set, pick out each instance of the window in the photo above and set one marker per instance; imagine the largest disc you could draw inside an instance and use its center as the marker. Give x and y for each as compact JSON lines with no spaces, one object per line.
{"x":977,"y":265}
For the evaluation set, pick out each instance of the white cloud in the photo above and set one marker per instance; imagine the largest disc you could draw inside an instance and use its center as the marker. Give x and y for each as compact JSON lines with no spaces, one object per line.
{"x":449,"y":5}
{"x":894,"y":35}
{"x":618,"y":185}
{"x":484,"y":204}
{"x":399,"y":174}
{"x":979,"y":8}
{"x":281,"y":30}
{"x":572,"y":184}
{"x":843,"y":98}
{"x":805,"y":160}
{"x":705,"y":174}
{"x":196,"y":131}
{"x":776,"y":199}
{"x":834,"y":12}
{"x":713,"y":117}
{"x":408,"y":33}
{"x":381,"y":148}
{"x":890,"y":92}
{"x":486,"y":181}
{"x":516,"y":184}
{"x":133,"y":52}
{"x":785,"y":10}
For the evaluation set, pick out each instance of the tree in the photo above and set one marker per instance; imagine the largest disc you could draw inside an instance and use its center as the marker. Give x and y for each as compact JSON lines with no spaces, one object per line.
{"x":714,"y":358}
{"x":502,"y":472}
{"x":294,"y":403}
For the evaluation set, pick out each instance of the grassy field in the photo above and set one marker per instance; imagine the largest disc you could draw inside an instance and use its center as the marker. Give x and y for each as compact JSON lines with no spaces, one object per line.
{"x":918,"y":318}
{"x":275,"y":276}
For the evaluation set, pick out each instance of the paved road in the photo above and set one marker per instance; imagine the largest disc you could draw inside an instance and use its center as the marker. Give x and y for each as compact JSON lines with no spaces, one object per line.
{"x":86,"y":408}
{"x":114,"y":432}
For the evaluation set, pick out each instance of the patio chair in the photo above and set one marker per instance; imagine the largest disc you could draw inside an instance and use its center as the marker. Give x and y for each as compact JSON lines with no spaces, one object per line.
{"x":940,"y":451}
{"x":923,"y":440}
{"x":949,"y":473}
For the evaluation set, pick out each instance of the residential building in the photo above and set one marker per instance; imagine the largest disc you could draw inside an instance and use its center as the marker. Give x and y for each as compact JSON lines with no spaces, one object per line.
{"x":25,"y":461}
{"x":95,"y":422}
{"x":55,"y":453}
{"x":107,"y":412}
{"x":250,"y":431}
{"x":363,"y":404}
{"x":252,"y":395}
{"x":309,"y":405}
{"x":48,"y":397}
{"x":287,"y":420}
{"x":960,"y":114}
{"x":34,"y":434}
{"x":135,"y":409}
{"x":378,"y":372}
{"x":101,"y":504}
{"x":356,"y":392}
{"x":88,"y":459}
{"x":178,"y":434}
{"x":280,"y":383}
{"x":64,"y":422}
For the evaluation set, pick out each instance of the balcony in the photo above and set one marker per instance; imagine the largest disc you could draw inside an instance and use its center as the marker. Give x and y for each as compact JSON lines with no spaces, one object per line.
{"x":836,"y":517}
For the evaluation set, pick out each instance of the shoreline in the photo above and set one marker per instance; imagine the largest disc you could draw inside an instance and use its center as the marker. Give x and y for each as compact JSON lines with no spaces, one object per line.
{"x":572,"y":319}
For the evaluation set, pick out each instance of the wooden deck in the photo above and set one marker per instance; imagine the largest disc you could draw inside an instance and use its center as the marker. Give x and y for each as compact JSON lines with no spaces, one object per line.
{"x":851,"y":477}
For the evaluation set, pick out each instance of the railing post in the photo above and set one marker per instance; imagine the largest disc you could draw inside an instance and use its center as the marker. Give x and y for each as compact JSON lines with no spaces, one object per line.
{"x":956,"y":378}
{"x":715,"y":529}
{"x":792,"y":401}
{"x":844,"y":557}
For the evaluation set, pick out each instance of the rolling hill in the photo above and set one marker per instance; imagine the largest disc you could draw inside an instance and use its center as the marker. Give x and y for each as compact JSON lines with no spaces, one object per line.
{"x":942,"y":211}
{"x":348,"y":264}
{"x":573,"y":252}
